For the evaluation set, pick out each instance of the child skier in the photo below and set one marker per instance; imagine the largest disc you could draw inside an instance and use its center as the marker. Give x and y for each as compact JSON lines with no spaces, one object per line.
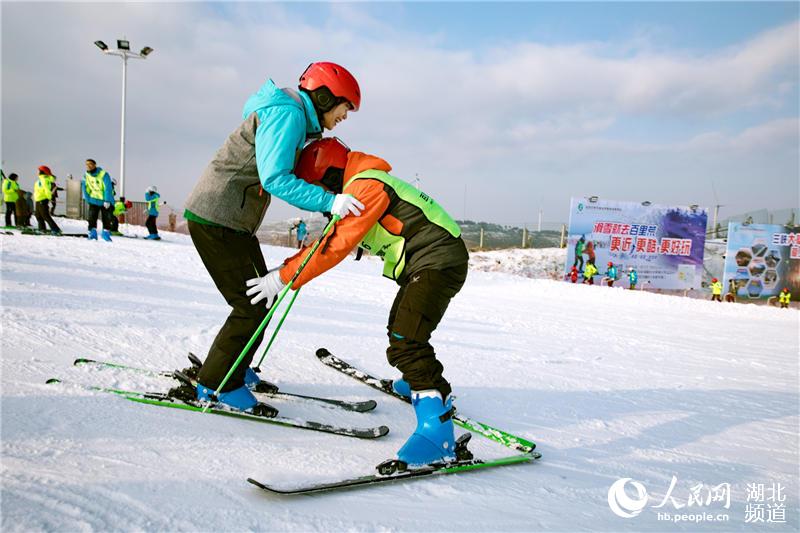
{"x":589,"y":271}
{"x":633,"y":278}
{"x":151,"y":197}
{"x":422,"y":250}
{"x":785,"y":297}
{"x":573,"y":274}
{"x":611,"y":274}
{"x":716,"y":290}
{"x":229,"y":201}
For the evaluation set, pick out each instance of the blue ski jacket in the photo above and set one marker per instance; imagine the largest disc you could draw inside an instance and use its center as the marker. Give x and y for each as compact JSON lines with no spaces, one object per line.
{"x":284,"y":125}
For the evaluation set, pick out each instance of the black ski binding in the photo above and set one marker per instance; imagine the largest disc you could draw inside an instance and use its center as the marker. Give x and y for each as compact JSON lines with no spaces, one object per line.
{"x":391,"y":466}
{"x":462,"y":453}
{"x":265,"y":387}
{"x":265,"y":410}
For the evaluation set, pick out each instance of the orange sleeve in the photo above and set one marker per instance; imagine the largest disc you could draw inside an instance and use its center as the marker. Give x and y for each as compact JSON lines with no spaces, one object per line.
{"x":345,"y":235}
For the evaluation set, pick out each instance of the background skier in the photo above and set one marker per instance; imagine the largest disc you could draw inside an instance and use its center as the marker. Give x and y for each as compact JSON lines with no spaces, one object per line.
{"x":716,"y":290}
{"x":152,"y":198}
{"x":633,"y":278}
{"x":302,"y":233}
{"x":589,"y":271}
{"x":611,"y":274}
{"x":10,"y":197}
{"x":785,"y":297}
{"x":99,"y":194}
{"x":43,"y":189}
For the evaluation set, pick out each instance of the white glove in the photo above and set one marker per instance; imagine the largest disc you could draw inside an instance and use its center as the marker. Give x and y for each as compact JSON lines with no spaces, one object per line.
{"x":106,"y":204}
{"x":267,"y":287}
{"x":345,"y":204}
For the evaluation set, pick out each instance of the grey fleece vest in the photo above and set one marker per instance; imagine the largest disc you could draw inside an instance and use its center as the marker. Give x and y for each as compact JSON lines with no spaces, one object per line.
{"x":229,"y":191}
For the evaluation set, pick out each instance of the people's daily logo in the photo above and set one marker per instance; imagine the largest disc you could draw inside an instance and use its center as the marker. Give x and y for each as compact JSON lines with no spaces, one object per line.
{"x":621,"y":503}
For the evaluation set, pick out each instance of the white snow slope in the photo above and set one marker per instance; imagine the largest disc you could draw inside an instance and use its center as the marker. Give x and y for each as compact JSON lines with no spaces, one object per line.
{"x":610,"y":383}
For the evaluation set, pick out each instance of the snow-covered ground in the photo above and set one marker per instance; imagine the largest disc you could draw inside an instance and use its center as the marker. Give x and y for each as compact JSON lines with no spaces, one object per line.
{"x":539,"y":263}
{"x":610,"y":383}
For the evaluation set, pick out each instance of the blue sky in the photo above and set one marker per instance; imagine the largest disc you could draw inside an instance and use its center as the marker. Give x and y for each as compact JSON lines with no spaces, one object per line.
{"x":500,"y":108}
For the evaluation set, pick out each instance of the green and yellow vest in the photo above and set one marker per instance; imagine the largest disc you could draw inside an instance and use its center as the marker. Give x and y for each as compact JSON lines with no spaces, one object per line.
{"x":392,"y":248}
{"x":95,"y":186}
{"x":42,"y":188}
{"x":10,"y":190}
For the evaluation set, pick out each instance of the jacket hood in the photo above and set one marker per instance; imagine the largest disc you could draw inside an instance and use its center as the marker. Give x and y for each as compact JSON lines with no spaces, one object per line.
{"x":270,"y":95}
{"x":359,"y":162}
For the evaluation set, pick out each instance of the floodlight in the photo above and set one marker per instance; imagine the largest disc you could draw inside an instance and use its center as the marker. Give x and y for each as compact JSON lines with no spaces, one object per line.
{"x":101,"y":45}
{"x":145,"y":51}
{"x":647,"y":203}
{"x":123,"y":45}
{"x":593,"y":199}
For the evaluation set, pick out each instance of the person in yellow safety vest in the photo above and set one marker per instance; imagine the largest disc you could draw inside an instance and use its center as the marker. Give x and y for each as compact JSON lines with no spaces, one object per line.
{"x":589,"y":271}
{"x":118,"y":215}
{"x":10,"y":197}
{"x":785,"y":297}
{"x":43,"y":189}
{"x":716,"y":290}
{"x":98,"y":192}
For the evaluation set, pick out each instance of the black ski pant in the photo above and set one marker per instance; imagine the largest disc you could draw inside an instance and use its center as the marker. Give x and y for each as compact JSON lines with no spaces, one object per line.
{"x":231,"y":258}
{"x":151,"y":224}
{"x":43,"y":215}
{"x":105,"y":216}
{"x":11,"y":209}
{"x":417,"y":310}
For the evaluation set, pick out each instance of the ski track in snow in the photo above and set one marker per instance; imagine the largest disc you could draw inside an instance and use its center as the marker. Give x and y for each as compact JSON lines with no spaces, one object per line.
{"x":609,"y":383}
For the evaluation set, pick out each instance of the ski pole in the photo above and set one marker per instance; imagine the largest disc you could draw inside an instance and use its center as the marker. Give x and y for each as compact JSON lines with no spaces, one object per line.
{"x":272,"y":309}
{"x":257,"y":368}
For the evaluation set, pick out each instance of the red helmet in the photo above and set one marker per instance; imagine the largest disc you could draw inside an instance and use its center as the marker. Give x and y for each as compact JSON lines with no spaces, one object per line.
{"x":714,"y":280}
{"x":785,"y":289}
{"x":44,"y":169}
{"x":336,"y":78}
{"x":610,"y":264}
{"x":318,"y":156}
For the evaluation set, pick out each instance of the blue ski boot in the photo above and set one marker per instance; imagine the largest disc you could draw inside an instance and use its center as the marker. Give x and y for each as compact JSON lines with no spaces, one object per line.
{"x":254,"y":383}
{"x":240,"y":399}
{"x":106,"y":235}
{"x":401,"y":387}
{"x":93,"y":234}
{"x":434,"y":439}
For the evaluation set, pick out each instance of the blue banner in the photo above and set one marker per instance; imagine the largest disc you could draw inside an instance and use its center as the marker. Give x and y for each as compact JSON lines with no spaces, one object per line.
{"x":762,"y":259}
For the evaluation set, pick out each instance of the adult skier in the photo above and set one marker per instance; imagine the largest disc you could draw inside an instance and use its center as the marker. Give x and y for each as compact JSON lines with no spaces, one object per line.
{"x":422,"y":250}
{"x":98,"y":192}
{"x":231,"y":198}
{"x":716,"y":290}
{"x":611,"y":274}
{"x":579,"y":246}
{"x":10,"y":197}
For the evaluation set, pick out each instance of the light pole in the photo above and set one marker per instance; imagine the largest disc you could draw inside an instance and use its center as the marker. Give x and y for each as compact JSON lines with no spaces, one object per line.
{"x":124,"y":51}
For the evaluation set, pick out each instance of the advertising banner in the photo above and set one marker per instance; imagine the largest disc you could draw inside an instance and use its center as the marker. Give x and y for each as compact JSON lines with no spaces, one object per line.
{"x":664,"y":244}
{"x":762,"y":259}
